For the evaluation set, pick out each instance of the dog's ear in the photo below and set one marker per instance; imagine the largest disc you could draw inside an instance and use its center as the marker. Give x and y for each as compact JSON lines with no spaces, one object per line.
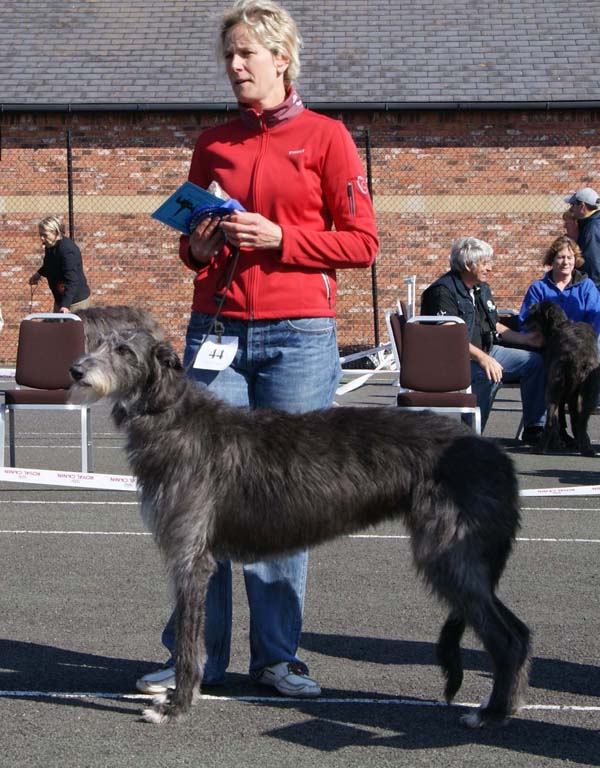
{"x":167,"y":357}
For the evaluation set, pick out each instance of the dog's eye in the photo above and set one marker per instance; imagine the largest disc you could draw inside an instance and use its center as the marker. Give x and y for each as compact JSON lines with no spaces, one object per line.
{"x":122,"y":349}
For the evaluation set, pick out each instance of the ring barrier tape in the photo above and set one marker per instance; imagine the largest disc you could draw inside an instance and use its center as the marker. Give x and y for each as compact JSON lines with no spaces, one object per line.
{"x":96,"y":481}
{"x":93,"y":481}
{"x":572,"y":490}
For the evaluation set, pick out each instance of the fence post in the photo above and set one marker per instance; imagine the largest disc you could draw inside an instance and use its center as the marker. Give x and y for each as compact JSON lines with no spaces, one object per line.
{"x":374,"y":292}
{"x":70,"y":185}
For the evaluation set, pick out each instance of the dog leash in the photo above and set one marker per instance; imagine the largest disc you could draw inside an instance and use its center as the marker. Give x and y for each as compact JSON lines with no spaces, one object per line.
{"x":32,"y":289}
{"x":216,"y":326}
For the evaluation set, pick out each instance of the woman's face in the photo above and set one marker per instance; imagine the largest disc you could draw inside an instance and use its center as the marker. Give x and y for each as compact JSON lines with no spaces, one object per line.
{"x":48,"y":237}
{"x":255,"y":74}
{"x":563,"y":263}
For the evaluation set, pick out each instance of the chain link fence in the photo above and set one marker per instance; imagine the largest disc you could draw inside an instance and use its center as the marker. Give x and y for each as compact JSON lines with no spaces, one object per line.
{"x":434,"y":176}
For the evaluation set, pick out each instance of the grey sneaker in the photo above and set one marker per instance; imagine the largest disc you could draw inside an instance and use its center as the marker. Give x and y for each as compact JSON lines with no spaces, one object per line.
{"x":289,"y":679}
{"x":157,"y":682}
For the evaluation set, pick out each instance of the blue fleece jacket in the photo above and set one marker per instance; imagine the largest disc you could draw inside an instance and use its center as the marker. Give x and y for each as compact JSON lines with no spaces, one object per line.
{"x":580,"y":299}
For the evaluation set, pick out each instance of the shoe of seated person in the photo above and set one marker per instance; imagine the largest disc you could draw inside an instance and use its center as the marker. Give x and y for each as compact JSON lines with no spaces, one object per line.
{"x":157,"y":682}
{"x":289,"y":679}
{"x":531,"y":435}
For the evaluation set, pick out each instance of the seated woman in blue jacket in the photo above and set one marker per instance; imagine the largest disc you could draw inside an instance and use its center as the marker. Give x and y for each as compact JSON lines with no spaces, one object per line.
{"x":565,"y":285}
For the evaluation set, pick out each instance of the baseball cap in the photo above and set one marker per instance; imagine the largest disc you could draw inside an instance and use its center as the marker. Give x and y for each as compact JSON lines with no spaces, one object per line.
{"x":584,"y":195}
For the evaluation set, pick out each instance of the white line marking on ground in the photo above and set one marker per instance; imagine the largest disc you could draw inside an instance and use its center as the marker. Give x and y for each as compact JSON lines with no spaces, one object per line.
{"x":285,"y":699}
{"x":519,"y":538}
{"x":80,"y":503}
{"x":88,"y":502}
{"x":78,"y":533}
{"x":352,"y":536}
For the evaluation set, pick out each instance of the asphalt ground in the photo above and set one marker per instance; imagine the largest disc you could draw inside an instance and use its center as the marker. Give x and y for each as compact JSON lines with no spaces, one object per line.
{"x":83,"y":600}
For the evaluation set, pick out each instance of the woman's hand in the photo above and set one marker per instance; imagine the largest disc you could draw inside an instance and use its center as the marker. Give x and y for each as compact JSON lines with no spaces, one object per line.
{"x":251,"y":230}
{"x":206,"y":241}
{"x":35,"y":278}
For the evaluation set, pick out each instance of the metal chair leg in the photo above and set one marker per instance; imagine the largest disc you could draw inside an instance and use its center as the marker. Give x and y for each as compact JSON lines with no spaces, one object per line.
{"x":84,"y":438}
{"x":87,"y":456}
{"x":11,"y":438}
{"x":2,"y":432}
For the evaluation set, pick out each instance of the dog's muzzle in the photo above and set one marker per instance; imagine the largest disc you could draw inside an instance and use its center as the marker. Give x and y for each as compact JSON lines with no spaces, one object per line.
{"x":76,"y":372}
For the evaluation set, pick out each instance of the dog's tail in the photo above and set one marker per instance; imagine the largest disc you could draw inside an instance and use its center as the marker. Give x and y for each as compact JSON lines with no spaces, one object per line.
{"x":448,"y":653}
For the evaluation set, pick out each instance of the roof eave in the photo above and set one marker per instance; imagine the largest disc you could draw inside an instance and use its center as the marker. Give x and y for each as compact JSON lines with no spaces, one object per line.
{"x":350,"y":106}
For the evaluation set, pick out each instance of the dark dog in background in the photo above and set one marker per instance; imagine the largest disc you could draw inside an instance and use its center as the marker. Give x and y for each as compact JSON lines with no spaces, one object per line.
{"x":572,"y":376}
{"x":100,"y":321}
{"x":219,"y":482}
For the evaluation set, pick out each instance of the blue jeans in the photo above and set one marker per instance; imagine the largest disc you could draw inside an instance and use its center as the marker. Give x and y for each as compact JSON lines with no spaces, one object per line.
{"x":519,"y":365}
{"x":292,"y":365}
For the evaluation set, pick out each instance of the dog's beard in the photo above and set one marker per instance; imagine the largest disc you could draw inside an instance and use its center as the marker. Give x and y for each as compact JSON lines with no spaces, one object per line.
{"x":94,"y":386}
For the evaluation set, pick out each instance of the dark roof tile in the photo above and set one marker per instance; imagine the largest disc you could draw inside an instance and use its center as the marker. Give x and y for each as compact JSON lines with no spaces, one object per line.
{"x":162,"y":51}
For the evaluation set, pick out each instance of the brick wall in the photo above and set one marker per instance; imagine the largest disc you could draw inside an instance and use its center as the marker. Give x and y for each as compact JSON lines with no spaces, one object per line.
{"x":498,"y":175}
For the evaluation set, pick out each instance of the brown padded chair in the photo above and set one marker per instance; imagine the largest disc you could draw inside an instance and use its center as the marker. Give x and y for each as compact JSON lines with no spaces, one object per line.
{"x":48,"y":345}
{"x":432,"y":355}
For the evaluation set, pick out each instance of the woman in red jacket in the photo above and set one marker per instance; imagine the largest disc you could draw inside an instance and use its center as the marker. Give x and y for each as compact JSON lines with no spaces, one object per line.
{"x":308,"y":213}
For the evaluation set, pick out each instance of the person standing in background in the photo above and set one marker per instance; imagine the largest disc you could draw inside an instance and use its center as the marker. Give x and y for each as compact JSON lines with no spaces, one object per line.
{"x":62,"y":267}
{"x":584,"y":206}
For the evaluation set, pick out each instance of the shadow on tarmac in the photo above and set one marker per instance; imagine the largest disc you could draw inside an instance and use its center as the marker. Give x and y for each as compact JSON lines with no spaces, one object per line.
{"x":35,"y":668}
{"x":46,"y":668}
{"x":548,"y":674}
{"x":409,"y":728}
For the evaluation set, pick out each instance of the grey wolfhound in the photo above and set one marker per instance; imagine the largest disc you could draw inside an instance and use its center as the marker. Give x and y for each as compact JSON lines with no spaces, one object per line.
{"x":223,"y":482}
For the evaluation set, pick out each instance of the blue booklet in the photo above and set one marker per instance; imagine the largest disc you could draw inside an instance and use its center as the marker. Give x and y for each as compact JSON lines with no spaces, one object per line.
{"x":189,"y":204}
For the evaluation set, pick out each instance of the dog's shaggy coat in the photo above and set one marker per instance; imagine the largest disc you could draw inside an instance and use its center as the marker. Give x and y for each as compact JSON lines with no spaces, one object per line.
{"x":98,"y":321}
{"x":572,"y":376}
{"x":224,"y":482}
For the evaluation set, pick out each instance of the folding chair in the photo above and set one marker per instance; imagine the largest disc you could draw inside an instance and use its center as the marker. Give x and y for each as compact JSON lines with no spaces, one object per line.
{"x":48,"y":344}
{"x":432,"y":355}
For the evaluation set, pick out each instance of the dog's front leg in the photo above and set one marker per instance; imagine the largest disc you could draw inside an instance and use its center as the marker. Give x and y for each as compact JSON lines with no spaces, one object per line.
{"x":565,"y":438}
{"x":550,"y":439}
{"x":191,"y":584}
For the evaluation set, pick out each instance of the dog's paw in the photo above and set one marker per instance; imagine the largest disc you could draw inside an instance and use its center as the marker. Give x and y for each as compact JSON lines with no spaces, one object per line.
{"x":567,"y":441}
{"x":155,"y":716}
{"x":482,"y":716}
{"x":162,"y":710}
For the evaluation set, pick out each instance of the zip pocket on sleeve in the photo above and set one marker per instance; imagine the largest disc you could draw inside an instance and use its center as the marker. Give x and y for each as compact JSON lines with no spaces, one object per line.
{"x":351,"y":201}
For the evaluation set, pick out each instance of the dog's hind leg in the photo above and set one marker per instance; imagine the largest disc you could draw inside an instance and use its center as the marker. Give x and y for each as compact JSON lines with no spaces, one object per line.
{"x":448,"y":653}
{"x":509,"y":649}
{"x":191,"y":584}
{"x":521,"y":631}
{"x":586,"y":404}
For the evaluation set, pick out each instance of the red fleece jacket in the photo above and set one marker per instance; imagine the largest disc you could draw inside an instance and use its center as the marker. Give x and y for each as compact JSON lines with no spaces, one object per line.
{"x":302,"y":171}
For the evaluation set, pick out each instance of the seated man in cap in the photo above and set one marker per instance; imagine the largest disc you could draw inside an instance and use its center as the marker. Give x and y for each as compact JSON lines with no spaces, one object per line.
{"x":585,"y":208}
{"x":463,"y":292}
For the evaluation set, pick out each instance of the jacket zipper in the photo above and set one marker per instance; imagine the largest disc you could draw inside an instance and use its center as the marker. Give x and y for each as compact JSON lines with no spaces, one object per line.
{"x":327,"y":288}
{"x":263,"y":146}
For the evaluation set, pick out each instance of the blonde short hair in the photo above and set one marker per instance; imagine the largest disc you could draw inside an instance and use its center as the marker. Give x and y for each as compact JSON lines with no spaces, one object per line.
{"x":53,"y":224}
{"x":271,"y":25}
